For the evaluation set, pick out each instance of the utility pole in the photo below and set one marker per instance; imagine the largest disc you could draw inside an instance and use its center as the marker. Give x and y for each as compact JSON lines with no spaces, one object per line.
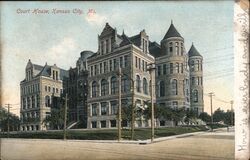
{"x":8,"y":123}
{"x":65,"y":117}
{"x":232,"y":121}
{"x":151,"y":69}
{"x":211,"y":94}
{"x":119,"y":105}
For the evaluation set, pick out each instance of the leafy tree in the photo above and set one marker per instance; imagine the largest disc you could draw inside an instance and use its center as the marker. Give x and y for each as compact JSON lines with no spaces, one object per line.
{"x":205,"y":117}
{"x":229,"y":117}
{"x":56,"y":119}
{"x":14,"y":121}
{"x":190,"y":115}
{"x":218,"y":115}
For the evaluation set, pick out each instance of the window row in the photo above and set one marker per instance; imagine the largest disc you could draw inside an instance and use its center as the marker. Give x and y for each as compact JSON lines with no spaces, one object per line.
{"x":107,"y":88}
{"x":35,"y":114}
{"x":33,"y":88}
{"x":107,"y":124}
{"x":108,"y":66}
{"x":170,"y":68}
{"x":141,"y":64}
{"x":30,"y":128}
{"x":106,"y":46}
{"x":176,"y":48}
{"x":195,"y":65}
{"x":197,"y":81}
{"x":31,"y":102}
{"x":106,"y":108}
{"x":173,"y":88}
{"x":52,"y":89}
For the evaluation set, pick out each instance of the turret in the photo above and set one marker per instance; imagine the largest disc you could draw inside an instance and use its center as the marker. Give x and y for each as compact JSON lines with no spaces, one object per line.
{"x":196,"y":79}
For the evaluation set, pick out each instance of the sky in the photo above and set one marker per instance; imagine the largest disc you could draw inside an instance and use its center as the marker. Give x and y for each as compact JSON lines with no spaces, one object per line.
{"x":58,"y":38}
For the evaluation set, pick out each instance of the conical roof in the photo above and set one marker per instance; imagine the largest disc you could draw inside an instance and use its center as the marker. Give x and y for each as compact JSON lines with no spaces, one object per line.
{"x":172,"y":32}
{"x":193,"y":51}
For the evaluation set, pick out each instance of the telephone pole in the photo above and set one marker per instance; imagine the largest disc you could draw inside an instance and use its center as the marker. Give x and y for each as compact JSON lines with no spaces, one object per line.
{"x":8,"y":123}
{"x":211,"y":94}
{"x":232,"y":121}
{"x":65,"y":117}
{"x":119,"y":105}
{"x":151,"y":68}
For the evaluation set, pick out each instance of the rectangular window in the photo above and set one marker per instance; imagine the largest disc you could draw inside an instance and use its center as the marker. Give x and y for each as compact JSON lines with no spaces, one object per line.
{"x":111,"y":43}
{"x":112,"y":123}
{"x":110,"y":65}
{"x":53,"y":90}
{"x":102,"y":47}
{"x":121,"y":62}
{"x":193,"y":80}
{"x":171,"y":68}
{"x":91,"y":70}
{"x":143,"y":65}
{"x":164,"y":69}
{"x":114,"y":107}
{"x":105,"y":66}
{"x":104,"y":108}
{"x":139,"y":63}
{"x":100,"y":68}
{"x":107,"y":46}
{"x":49,"y":88}
{"x":115,"y":64}
{"x":159,"y":70}
{"x":103,"y":124}
{"x":94,"y":109}
{"x":56,"y":90}
{"x":95,"y":70}
{"x":93,"y":124}
{"x":125,"y":60}
{"x":136,"y":62}
{"x":46,"y":88}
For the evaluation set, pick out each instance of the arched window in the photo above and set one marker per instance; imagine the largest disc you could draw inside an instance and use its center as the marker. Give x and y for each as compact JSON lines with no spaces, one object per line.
{"x":198,"y":65}
{"x":138,"y":84}
{"x":104,"y":87}
{"x":170,"y":47}
{"x":94,"y":89}
{"x":125,"y":84}
{"x":47,"y":101}
{"x":195,"y":96}
{"x":177,"y":48}
{"x":114,"y":86}
{"x":174,"y":87}
{"x":162,"y":89}
{"x":181,"y":67}
{"x":177,"y":67}
{"x":145,"y":86}
{"x":192,"y":65}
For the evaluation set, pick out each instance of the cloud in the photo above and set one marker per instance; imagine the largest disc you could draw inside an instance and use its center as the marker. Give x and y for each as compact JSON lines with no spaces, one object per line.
{"x":65,"y":52}
{"x":95,"y":19}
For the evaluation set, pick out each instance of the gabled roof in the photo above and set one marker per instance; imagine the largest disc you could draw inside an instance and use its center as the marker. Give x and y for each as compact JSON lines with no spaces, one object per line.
{"x":107,"y":29}
{"x":172,"y":32}
{"x":193,"y":52}
{"x":125,"y":40}
{"x":136,"y":40}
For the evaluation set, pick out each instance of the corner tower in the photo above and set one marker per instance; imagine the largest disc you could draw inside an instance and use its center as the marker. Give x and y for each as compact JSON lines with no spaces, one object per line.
{"x":196,"y":79}
{"x":172,"y":71}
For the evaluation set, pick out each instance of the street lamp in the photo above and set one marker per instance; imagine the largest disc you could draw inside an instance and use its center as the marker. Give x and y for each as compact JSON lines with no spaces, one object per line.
{"x":151,"y":68}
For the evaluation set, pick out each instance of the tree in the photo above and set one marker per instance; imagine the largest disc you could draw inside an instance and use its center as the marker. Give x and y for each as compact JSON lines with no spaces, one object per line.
{"x":14,"y":121}
{"x":205,"y":117}
{"x":190,"y":115}
{"x":56,"y":119}
{"x":219,"y":115}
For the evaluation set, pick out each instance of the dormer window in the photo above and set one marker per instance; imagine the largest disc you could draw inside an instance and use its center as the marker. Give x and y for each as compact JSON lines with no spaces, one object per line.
{"x":182,"y":50}
{"x":29,"y":75}
{"x":55,"y":75}
{"x":107,"y":46}
{"x":144,"y":45}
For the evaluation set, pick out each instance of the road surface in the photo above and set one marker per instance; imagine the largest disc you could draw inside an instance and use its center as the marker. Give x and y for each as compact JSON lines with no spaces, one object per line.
{"x":217,"y":145}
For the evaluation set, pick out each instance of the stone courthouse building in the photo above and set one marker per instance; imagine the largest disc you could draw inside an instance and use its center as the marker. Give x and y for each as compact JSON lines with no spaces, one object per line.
{"x":92,"y":86}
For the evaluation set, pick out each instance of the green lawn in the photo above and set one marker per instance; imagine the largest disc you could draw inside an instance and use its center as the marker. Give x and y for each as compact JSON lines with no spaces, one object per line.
{"x":107,"y":134}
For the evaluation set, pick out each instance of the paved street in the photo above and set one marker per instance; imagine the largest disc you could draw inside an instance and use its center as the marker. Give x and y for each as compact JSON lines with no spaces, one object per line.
{"x":217,"y":145}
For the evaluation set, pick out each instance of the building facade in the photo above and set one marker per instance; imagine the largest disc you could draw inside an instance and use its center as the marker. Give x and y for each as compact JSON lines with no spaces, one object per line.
{"x":40,"y":85}
{"x":131,"y":55}
{"x":76,"y":86}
